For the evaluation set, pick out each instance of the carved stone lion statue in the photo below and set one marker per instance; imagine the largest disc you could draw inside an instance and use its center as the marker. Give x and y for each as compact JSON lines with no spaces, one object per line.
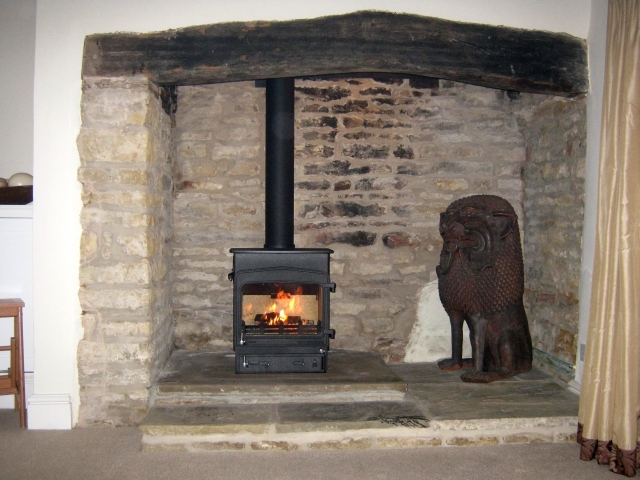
{"x":481,"y":281}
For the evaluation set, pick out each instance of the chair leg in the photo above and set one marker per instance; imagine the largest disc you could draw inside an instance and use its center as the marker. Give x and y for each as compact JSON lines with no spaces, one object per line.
{"x":20,"y":372}
{"x":12,"y":370}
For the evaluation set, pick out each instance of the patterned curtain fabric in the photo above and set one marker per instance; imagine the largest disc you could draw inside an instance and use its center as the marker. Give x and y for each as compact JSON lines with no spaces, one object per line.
{"x":610,"y":398}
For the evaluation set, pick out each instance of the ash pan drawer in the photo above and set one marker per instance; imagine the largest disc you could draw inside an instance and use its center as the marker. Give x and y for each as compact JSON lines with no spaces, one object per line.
{"x":281,"y":363}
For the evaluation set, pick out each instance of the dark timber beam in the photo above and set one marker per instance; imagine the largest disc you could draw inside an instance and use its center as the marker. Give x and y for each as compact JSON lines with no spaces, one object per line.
{"x":496,"y":57}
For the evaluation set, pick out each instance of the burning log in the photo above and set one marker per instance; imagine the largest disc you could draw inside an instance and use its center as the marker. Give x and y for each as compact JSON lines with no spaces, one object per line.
{"x":274,"y":318}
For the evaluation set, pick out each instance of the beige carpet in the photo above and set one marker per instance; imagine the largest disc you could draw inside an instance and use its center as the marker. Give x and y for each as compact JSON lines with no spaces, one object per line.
{"x":115,"y":453}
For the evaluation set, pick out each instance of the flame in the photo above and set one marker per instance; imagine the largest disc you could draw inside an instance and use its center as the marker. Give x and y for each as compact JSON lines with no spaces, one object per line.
{"x":286,"y":305}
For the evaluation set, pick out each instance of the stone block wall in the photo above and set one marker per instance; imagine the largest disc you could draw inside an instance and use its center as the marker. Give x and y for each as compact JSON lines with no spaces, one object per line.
{"x":554,"y":129}
{"x":376,"y":162}
{"x":125,"y":153}
{"x":218,"y":205}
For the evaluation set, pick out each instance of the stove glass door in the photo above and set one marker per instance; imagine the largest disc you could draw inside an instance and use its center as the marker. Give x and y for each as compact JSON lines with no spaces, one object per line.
{"x":281,"y":309}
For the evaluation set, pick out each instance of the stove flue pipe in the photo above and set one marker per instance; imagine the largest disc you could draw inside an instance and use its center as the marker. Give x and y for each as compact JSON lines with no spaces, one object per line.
{"x":279,"y":179}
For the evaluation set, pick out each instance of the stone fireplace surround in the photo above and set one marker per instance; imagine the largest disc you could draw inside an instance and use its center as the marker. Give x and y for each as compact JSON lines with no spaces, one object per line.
{"x":168,"y":191}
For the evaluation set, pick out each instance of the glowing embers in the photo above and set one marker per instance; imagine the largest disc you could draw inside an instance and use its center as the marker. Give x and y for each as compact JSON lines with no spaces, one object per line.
{"x":281,"y":309}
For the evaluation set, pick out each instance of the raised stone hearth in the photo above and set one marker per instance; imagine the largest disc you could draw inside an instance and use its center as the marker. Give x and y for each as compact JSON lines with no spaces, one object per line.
{"x":209,"y":377}
{"x":201,"y":405}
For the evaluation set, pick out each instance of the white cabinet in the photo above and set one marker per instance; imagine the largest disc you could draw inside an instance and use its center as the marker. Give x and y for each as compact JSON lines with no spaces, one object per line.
{"x":16,"y":281}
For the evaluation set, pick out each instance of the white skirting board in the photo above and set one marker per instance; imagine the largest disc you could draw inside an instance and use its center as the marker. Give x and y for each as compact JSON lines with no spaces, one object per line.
{"x":49,"y":412}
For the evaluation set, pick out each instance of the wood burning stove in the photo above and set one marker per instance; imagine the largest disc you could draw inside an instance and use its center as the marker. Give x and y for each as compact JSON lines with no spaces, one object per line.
{"x":281,"y":310}
{"x":281,"y":294}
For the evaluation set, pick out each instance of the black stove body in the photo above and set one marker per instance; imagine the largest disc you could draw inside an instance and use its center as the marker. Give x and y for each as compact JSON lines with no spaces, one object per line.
{"x":281,"y":294}
{"x":281,"y":310}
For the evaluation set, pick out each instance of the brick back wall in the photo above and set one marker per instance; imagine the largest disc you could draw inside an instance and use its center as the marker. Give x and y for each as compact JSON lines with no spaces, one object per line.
{"x":376,"y":162}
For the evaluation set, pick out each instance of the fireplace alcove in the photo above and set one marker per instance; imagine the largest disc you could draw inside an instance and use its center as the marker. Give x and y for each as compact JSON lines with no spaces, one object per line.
{"x":153,"y":280}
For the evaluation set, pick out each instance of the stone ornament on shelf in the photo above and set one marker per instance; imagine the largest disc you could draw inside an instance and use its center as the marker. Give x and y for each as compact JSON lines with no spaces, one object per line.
{"x":20,"y":180}
{"x":481,"y":282}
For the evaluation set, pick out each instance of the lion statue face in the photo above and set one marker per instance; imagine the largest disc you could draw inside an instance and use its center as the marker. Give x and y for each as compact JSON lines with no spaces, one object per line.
{"x":472,"y":230}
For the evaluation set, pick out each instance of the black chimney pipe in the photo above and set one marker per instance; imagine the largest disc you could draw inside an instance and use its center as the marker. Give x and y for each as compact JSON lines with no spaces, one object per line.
{"x":279,"y":178}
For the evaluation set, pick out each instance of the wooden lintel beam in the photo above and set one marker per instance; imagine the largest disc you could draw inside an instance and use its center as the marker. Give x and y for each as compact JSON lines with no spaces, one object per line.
{"x":496,"y":57}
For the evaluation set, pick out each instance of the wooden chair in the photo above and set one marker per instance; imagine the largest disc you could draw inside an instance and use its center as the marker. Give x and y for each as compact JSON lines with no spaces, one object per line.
{"x":13,"y":382}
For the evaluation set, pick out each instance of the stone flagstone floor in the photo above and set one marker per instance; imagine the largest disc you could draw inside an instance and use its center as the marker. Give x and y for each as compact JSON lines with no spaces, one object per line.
{"x":201,"y":404}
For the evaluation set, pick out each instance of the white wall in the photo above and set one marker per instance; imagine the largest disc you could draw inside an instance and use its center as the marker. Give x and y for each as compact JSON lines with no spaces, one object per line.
{"x":597,"y":39}
{"x":60,"y":31}
{"x":17,"y":51}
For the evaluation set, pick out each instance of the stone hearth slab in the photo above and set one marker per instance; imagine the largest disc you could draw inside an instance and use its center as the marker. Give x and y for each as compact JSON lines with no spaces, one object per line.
{"x":429,"y":373}
{"x":281,"y":418}
{"x":507,"y":400}
{"x":210,"y":419}
{"x":209,"y":377}
{"x":348,"y":416}
{"x":446,"y":397}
